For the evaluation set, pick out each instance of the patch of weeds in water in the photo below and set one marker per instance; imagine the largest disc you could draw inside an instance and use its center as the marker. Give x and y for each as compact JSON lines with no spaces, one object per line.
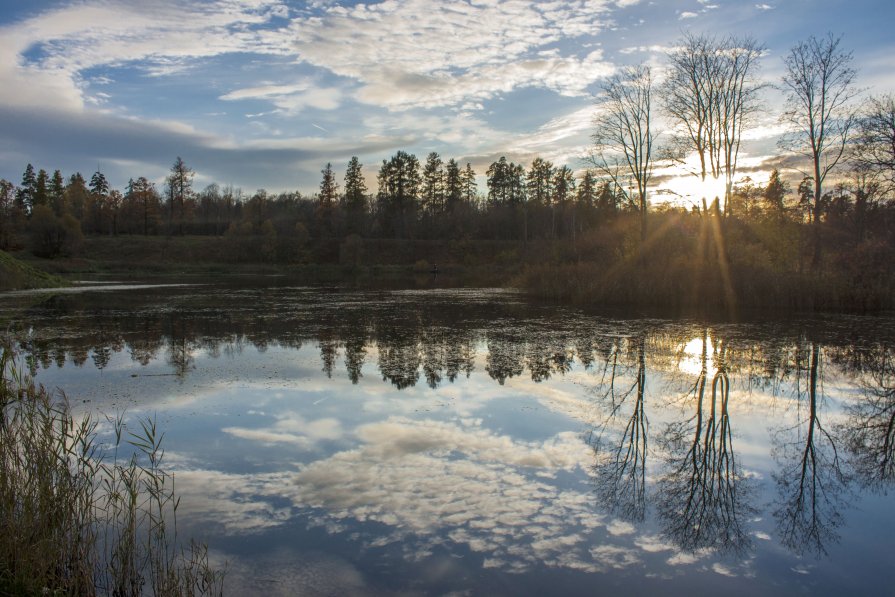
{"x":76,"y":517}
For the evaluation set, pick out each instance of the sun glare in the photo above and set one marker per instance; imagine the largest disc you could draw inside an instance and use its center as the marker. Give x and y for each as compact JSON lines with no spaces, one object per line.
{"x":691,"y":356}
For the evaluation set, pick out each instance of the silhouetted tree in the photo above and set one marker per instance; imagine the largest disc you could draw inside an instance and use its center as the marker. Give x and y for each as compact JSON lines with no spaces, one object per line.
{"x":180,"y":191}
{"x":874,"y":148}
{"x":57,"y":194}
{"x":26,"y":191}
{"x":623,"y":135}
{"x":819,"y":79}
{"x":355,"y":197}
{"x":399,"y":187}
{"x":711,"y":93}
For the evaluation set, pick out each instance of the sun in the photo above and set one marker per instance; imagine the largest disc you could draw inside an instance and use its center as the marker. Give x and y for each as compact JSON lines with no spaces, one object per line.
{"x":691,"y":356}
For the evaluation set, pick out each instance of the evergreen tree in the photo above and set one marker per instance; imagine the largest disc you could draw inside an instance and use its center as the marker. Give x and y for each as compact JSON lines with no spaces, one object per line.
{"x":399,"y":186}
{"x":96,"y":209}
{"x":468,"y":184}
{"x":587,"y":190}
{"x":57,"y":193}
{"x":25,"y":194}
{"x":98,"y":184}
{"x":355,"y":196}
{"x":453,"y":185}
{"x":329,"y":188}
{"x":433,"y":184}
{"x":775,"y":192}
{"x":563,"y":186}
{"x":499,"y":174}
{"x":327,"y":200}
{"x":539,"y":182}
{"x":41,"y":189}
{"x":354,"y":201}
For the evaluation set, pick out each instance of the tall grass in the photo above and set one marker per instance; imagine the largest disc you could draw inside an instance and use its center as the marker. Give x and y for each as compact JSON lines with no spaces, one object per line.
{"x":78,"y":517}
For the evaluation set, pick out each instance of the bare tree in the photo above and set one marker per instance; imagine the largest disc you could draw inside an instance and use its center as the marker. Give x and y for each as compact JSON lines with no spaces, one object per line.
{"x":820,"y":83}
{"x":874,"y":148}
{"x":623,"y":137}
{"x":712,"y":94}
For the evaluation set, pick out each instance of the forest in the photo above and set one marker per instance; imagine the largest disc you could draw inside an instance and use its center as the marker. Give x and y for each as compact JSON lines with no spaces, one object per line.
{"x":819,"y":234}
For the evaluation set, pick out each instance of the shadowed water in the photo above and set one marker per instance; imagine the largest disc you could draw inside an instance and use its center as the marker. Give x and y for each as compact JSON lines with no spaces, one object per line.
{"x":331,"y":441}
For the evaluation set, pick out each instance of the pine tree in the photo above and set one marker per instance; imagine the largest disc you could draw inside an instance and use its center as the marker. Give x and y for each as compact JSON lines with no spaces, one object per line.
{"x":329,"y":189}
{"x":355,"y":196}
{"x":41,"y":189}
{"x":775,"y":192}
{"x":57,"y":193}
{"x":433,"y":184}
{"x":453,"y":185}
{"x":539,"y":182}
{"x":25,"y":194}
{"x":587,"y":190}
{"x":468,"y":183}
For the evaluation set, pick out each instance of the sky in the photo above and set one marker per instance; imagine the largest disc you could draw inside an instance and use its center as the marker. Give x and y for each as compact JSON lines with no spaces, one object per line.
{"x":264,"y":93}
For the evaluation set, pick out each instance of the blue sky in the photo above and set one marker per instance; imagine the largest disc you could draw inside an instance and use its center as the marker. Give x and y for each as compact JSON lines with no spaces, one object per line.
{"x":263,"y":93}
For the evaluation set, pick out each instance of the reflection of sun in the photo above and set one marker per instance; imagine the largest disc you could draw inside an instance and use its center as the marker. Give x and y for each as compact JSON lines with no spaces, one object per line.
{"x":691,"y":356}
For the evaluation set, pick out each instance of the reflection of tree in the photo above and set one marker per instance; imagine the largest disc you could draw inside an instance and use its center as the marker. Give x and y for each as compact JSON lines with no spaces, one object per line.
{"x":546,"y":355}
{"x":810,"y":481}
{"x":506,"y":355}
{"x":329,"y":351}
{"x":620,"y":467}
{"x":702,"y":499}
{"x":399,"y":359}
{"x":869,"y":431}
{"x":355,"y":354}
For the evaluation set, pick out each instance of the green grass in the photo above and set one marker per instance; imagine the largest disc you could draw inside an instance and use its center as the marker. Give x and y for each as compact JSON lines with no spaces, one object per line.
{"x":82,"y":518}
{"x":17,"y":275}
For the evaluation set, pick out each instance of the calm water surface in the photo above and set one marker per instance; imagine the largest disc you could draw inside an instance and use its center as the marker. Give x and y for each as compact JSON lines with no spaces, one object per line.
{"x":354,"y":442}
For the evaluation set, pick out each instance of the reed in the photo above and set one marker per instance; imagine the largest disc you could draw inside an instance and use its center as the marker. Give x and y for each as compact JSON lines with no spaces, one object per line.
{"x":79,"y":517}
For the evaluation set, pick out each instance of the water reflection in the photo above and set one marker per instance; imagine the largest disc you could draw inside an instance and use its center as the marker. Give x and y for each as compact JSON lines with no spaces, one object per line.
{"x":668,"y":423}
{"x":703,"y":497}
{"x":869,"y":431}
{"x":810,"y":480}
{"x":620,"y":457}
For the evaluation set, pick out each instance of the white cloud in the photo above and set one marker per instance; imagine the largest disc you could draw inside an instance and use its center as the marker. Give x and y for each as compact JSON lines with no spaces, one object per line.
{"x":290,"y":98}
{"x":687,"y":15}
{"x":415,"y":53}
{"x":163,"y":35}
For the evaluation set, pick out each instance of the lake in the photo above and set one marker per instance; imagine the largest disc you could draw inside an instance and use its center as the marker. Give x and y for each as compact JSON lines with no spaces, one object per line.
{"x":435,"y":440}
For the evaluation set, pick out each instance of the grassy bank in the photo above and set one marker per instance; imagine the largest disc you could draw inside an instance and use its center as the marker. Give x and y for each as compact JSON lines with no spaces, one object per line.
{"x":18,"y":275}
{"x":487,"y":262}
{"x":722,"y":269}
{"x":76,"y":518}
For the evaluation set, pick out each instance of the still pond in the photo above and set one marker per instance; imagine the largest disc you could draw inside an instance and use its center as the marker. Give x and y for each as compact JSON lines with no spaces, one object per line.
{"x":344,"y":441}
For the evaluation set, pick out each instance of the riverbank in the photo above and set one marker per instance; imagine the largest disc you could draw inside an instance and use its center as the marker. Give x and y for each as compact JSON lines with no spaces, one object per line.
{"x":16,"y":274}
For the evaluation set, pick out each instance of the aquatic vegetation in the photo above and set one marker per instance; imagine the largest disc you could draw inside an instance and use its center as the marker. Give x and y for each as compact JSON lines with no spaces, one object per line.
{"x":82,"y":517}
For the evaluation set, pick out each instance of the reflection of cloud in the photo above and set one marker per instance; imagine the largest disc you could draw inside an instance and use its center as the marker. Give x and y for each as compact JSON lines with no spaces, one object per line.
{"x":229,"y":501}
{"x":407,"y":475}
{"x":293,"y":429}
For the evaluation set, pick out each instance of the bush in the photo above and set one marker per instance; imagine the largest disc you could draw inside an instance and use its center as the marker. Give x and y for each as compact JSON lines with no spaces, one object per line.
{"x":52,"y":236}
